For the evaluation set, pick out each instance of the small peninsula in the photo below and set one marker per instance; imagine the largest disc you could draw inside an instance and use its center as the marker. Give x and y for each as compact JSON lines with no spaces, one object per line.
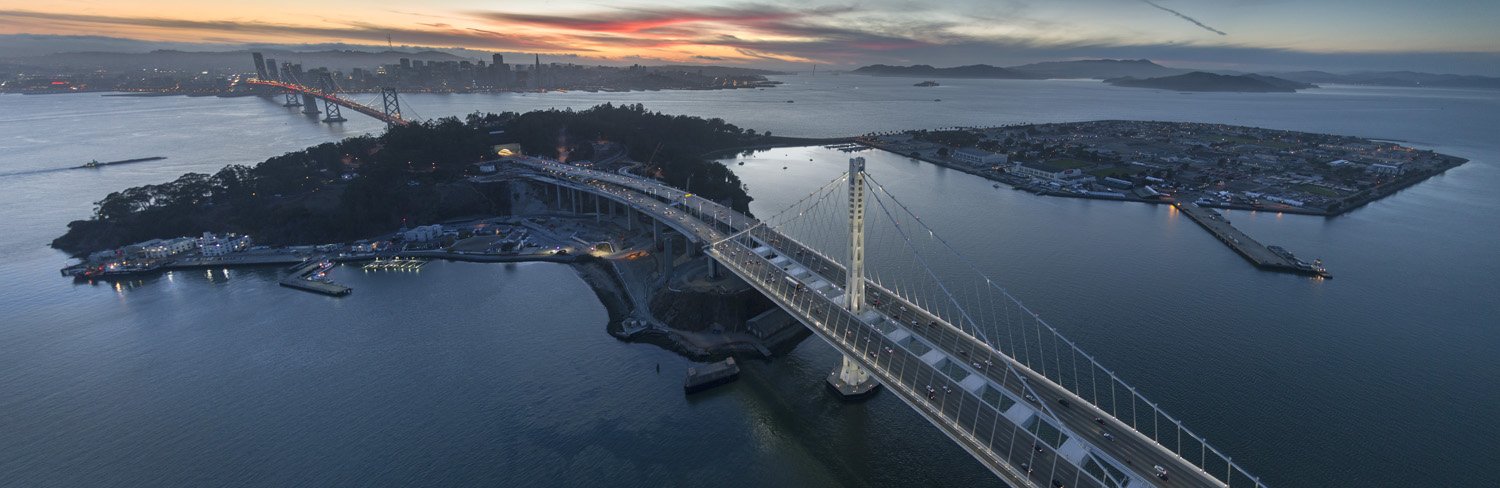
{"x":1199,"y":81}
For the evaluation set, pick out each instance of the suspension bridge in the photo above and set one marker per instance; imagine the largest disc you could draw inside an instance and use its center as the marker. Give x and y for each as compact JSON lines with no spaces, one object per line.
{"x":285,"y":80}
{"x":390,"y":113}
{"x":910,"y":314}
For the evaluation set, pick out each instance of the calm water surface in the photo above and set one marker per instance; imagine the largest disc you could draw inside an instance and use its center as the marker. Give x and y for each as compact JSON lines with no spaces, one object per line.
{"x":1384,"y":376}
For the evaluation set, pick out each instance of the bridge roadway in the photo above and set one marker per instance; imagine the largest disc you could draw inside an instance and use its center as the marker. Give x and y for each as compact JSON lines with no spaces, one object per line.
{"x":999,"y":426}
{"x":340,"y":101}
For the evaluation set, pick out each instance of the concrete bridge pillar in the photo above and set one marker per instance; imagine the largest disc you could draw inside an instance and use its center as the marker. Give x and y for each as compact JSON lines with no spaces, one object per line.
{"x":713,"y":269}
{"x":557,"y":191}
{"x":309,"y":104}
{"x":668,"y":259}
{"x":655,"y":231}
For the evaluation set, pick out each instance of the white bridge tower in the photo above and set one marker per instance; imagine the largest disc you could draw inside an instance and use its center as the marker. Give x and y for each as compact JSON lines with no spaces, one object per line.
{"x":851,"y":380}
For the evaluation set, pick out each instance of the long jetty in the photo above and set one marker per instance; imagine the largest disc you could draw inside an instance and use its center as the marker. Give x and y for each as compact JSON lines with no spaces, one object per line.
{"x":301,"y":279}
{"x":1252,"y":250}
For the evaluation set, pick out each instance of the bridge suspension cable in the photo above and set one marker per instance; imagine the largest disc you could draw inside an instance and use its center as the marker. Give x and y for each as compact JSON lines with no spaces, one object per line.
{"x":1040,"y":347}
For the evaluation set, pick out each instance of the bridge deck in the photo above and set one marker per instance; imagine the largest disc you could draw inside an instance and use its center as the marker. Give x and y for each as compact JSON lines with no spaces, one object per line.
{"x":340,"y":101}
{"x":1006,"y":415}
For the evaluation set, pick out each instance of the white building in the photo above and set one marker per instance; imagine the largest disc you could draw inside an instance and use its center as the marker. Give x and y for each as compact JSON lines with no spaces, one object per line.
{"x":157,"y":248}
{"x":1285,"y":201}
{"x":1387,"y":168}
{"x":424,"y":233}
{"x":979,"y":157}
{"x":1043,"y":171}
{"x":212,"y":245}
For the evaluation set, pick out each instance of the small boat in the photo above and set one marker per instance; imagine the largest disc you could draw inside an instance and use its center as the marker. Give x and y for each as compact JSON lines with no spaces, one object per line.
{"x":789,"y":101}
{"x":997,"y":185}
{"x":96,"y":164}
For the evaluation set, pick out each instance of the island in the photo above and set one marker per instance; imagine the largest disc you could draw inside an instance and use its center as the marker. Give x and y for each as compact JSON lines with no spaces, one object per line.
{"x":928,"y":71}
{"x":1195,"y":167}
{"x":480,"y":189}
{"x":1200,"y":81}
{"x":1077,"y":69}
{"x":414,"y":173}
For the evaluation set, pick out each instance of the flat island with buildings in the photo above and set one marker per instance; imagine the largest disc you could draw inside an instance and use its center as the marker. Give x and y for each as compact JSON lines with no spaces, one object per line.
{"x":1192,"y":166}
{"x":1214,"y":165}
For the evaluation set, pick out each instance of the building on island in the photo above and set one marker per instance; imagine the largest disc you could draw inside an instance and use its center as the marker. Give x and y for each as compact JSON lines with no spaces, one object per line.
{"x":1043,"y":171}
{"x":212,"y":245}
{"x":424,"y":233}
{"x":978,"y":157}
{"x":159,"y":248}
{"x":1388,"y":168}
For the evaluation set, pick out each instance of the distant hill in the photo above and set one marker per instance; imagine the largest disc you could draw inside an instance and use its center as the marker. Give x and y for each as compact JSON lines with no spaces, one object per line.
{"x":234,"y":61}
{"x":1199,"y":81}
{"x":927,"y":71}
{"x":1098,"y":69}
{"x":1394,"y":78}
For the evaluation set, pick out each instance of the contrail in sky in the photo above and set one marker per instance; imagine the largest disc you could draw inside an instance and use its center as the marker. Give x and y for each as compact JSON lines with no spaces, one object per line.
{"x":1184,"y":17}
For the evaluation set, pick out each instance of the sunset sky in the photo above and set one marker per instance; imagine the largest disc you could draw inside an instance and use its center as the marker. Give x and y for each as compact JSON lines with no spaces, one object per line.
{"x":1206,"y":32}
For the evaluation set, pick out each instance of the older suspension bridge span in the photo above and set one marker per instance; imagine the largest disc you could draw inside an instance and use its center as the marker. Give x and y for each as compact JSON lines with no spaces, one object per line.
{"x":908,"y":313}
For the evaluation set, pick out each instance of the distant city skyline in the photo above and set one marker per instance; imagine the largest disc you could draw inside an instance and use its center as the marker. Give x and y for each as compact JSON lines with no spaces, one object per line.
{"x":1441,"y":36}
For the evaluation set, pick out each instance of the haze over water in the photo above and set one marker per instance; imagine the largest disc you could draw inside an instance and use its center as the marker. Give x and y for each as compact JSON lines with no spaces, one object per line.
{"x":1383,"y":376}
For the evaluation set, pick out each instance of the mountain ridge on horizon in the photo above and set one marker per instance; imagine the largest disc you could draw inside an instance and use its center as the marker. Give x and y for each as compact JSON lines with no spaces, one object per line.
{"x":21,"y":51}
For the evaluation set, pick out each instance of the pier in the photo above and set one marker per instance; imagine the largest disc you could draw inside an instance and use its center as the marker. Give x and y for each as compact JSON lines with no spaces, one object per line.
{"x":707,"y":376}
{"x":1260,"y":255}
{"x":397,"y":263}
{"x":308,"y":277}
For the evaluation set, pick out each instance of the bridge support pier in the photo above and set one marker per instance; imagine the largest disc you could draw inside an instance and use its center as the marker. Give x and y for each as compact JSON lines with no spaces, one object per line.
{"x":851,"y":381}
{"x":291,"y":99}
{"x":669,"y":259}
{"x":557,"y":192}
{"x":309,"y":104}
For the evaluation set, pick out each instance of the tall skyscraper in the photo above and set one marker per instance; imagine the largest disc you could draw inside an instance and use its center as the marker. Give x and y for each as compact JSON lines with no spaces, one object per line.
{"x":497,"y":59}
{"x":536,"y":73}
{"x":260,"y":65}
